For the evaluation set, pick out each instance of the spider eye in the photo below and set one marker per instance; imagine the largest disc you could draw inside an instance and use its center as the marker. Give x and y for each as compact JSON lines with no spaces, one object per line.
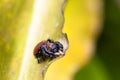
{"x":50,"y":40}
{"x":59,"y":44}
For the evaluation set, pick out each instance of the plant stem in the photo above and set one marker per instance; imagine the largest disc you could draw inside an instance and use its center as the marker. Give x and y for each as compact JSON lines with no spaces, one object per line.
{"x":47,"y":19}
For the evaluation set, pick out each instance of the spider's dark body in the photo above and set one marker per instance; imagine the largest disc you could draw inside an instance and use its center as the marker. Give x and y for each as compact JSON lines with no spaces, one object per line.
{"x":47,"y":49}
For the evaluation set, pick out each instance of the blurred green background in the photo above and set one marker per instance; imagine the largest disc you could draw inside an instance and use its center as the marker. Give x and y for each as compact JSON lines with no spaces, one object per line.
{"x":105,"y":65}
